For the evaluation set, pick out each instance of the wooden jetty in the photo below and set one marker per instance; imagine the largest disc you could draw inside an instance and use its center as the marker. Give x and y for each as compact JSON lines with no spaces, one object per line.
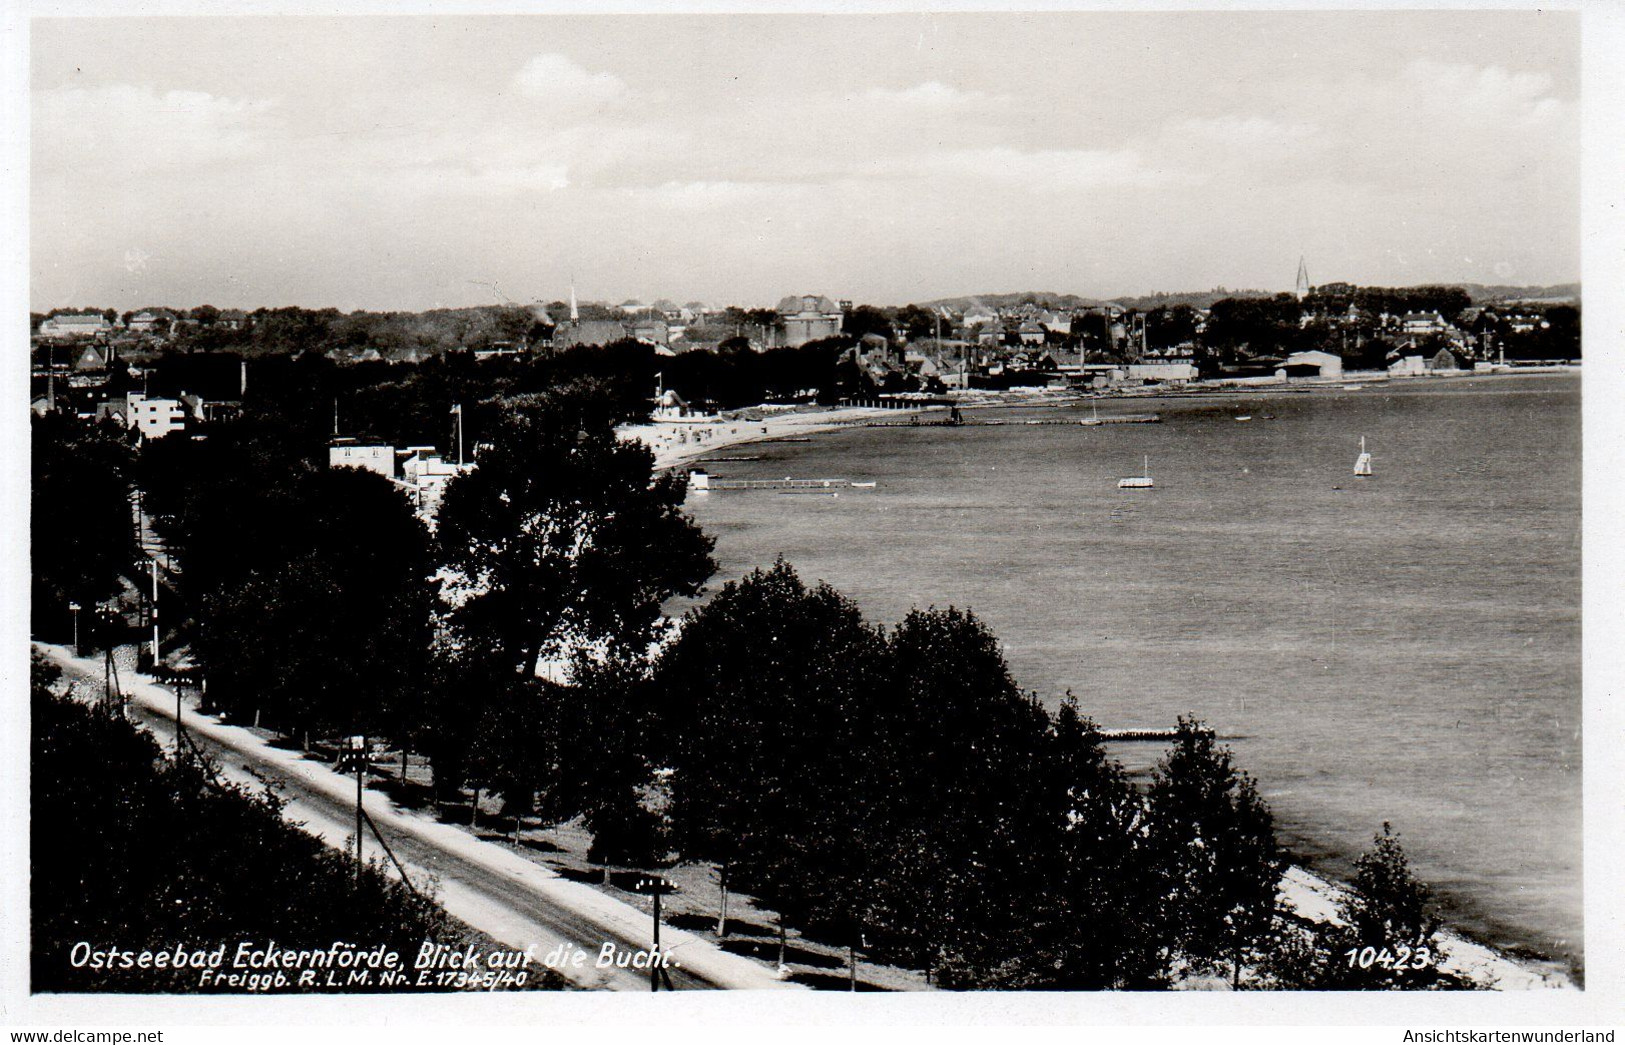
{"x":701,"y":481}
{"x":1138,"y":734}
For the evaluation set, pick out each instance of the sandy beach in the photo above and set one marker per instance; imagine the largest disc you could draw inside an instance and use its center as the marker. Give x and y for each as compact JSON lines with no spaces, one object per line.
{"x":676,"y":441}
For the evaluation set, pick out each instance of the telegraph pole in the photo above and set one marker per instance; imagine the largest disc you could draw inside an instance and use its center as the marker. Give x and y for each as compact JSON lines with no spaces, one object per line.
{"x":722,"y":883}
{"x":358,"y":755}
{"x":654,"y":960}
{"x":657,"y":961}
{"x":154,"y":563}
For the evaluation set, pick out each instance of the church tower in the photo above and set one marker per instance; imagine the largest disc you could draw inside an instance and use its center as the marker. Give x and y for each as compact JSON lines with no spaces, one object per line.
{"x":1303,"y":279}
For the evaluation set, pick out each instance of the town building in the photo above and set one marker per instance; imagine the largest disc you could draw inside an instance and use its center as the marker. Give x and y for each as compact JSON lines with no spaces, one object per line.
{"x":371,"y":457}
{"x":75,"y":325}
{"x":426,"y":475}
{"x":1313,"y":364}
{"x":154,"y":320}
{"x":93,"y":358}
{"x":1421,"y":324}
{"x":153,"y":417}
{"x":809,"y":317}
{"x":588,"y":332}
{"x":1161,"y":371}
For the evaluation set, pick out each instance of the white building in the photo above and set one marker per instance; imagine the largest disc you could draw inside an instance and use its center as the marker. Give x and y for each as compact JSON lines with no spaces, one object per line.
{"x":153,"y":418}
{"x":1313,"y":364}
{"x":426,"y":474}
{"x":1165,"y":371}
{"x":347,"y":453}
{"x":74,"y":324}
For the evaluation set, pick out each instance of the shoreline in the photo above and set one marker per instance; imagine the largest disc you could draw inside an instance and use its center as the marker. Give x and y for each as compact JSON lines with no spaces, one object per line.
{"x":1312,"y":893}
{"x":680,"y":441}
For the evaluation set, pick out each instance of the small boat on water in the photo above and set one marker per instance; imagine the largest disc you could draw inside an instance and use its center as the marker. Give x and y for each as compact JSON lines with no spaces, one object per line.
{"x":1244,"y":417}
{"x":1362,"y":464}
{"x":1138,"y":482}
{"x":863,"y":486}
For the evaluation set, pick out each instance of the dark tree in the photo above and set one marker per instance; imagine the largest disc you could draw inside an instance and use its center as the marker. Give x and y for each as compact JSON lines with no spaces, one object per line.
{"x":82,"y":529}
{"x":564,"y":539}
{"x":1211,"y":841}
{"x":768,"y":706}
{"x":866,"y":319}
{"x":1388,"y":911}
{"x":134,"y":850}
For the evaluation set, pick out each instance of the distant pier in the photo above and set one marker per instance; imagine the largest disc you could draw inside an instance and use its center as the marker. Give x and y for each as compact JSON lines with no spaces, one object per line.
{"x":701,"y":481}
{"x":1138,"y":734}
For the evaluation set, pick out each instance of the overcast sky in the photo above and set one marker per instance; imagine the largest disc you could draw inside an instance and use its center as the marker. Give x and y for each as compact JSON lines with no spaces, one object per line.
{"x":418,"y":162}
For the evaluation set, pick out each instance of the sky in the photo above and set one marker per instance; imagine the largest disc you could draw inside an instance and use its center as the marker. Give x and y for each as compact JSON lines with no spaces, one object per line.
{"x":440,"y":161}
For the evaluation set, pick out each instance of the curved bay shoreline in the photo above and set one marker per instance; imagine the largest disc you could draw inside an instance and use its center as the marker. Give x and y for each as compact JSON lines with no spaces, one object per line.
{"x":1310,"y":892}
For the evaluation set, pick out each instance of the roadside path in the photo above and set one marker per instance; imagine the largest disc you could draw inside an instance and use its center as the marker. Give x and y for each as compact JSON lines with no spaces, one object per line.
{"x":520,"y":903}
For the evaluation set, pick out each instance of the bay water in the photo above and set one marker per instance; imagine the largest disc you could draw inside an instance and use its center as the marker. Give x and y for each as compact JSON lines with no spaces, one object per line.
{"x":1404,"y":647}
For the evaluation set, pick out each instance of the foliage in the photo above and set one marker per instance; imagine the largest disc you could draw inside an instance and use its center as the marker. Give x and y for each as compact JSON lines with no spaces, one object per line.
{"x":134,"y":850}
{"x":866,"y":319}
{"x":1253,"y":327}
{"x":768,"y":703}
{"x":1212,"y":848}
{"x":1387,"y":910}
{"x":82,"y":537}
{"x":901,"y":789}
{"x":309,"y":584}
{"x":564,"y":538}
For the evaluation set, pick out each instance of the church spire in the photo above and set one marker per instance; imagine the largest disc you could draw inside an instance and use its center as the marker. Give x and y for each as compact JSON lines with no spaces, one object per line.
{"x":1303,"y":278}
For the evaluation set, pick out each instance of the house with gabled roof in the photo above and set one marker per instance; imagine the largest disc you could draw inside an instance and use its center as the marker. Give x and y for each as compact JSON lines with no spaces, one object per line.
{"x":809,"y":317}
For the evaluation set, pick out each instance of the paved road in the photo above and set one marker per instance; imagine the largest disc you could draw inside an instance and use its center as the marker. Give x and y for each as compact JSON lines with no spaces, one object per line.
{"x":486,"y":885}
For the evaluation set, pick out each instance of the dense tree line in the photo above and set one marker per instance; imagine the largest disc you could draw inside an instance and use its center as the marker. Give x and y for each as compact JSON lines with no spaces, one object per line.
{"x":134,"y":849}
{"x":901,"y":790}
{"x":82,"y":533}
{"x":307,"y":587}
{"x":891,"y":788}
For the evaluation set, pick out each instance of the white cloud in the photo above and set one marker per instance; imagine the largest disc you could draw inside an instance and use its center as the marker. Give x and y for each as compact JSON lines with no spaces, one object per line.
{"x":124,"y":129}
{"x":1482,"y":95}
{"x":1242,"y":130}
{"x":558,"y":81}
{"x":932,"y":95}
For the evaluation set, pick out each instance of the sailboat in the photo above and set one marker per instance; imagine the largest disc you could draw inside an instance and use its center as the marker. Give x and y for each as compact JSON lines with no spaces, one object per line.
{"x":1138,"y":482}
{"x":1362,"y":464}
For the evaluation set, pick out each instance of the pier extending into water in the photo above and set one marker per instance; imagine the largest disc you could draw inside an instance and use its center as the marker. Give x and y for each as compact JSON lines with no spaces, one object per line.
{"x":941,"y":422}
{"x":702,"y":481}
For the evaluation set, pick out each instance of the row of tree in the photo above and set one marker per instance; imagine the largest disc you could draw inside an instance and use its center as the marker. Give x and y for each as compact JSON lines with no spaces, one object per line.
{"x":895,"y":788}
{"x":898,"y":790}
{"x":138,"y":851}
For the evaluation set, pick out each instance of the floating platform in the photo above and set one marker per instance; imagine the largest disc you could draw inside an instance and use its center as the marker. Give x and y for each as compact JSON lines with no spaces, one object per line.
{"x":1138,"y":734}
{"x":701,"y":481}
{"x":1122,"y":419}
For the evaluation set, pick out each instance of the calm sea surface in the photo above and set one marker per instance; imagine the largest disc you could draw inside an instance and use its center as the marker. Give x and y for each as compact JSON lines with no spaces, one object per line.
{"x":1403,"y":648}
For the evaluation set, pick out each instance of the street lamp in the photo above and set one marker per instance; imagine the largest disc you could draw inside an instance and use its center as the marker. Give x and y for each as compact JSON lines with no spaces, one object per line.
{"x":356,"y":754}
{"x":656,"y":885}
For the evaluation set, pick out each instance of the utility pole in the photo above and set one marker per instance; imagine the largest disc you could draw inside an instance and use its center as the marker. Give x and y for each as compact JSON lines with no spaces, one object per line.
{"x":358,"y":755}
{"x":657,"y":961}
{"x":74,"y":608}
{"x":654,"y":959}
{"x":154,"y":563}
{"x":722,"y":883}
